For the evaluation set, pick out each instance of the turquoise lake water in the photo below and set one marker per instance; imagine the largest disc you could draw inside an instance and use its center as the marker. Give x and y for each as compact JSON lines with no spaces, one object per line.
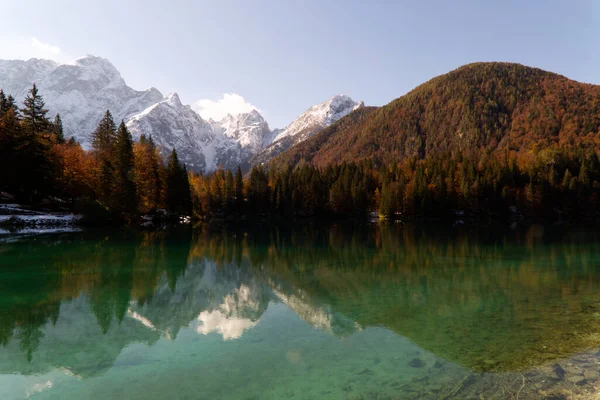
{"x":371,"y":311}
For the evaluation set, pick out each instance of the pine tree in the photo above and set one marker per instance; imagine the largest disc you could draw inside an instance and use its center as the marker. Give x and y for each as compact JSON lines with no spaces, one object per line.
{"x":238,"y":189}
{"x":157,"y":174}
{"x":34,"y":113}
{"x":10,"y":104}
{"x":124,"y":186}
{"x":258,"y":189}
{"x":103,"y":138}
{"x":10,"y":140}
{"x":35,"y":176}
{"x":3,"y":103}
{"x":228,"y":192}
{"x":186,"y":192}
{"x":179,"y":199}
{"x":57,"y":128}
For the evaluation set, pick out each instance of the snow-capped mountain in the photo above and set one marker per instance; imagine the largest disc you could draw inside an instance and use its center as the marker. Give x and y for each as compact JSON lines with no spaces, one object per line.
{"x":173,"y":125}
{"x":82,"y":91}
{"x":312,"y":121}
{"x":250,"y":130}
{"x":202,"y":145}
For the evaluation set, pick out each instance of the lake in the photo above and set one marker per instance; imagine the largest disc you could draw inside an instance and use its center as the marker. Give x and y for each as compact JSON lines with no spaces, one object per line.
{"x":339,"y":311}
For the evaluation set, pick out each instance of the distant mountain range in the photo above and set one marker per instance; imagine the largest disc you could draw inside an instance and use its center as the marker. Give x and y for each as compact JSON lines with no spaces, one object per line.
{"x":83,"y":90}
{"x":483,"y":108}
{"x":487,"y":108}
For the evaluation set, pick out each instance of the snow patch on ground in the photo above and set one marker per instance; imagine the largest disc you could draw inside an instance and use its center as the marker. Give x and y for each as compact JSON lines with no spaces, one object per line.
{"x":20,"y":220}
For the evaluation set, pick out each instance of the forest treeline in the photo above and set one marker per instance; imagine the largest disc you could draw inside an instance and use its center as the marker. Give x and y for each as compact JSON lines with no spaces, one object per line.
{"x":119,"y":179}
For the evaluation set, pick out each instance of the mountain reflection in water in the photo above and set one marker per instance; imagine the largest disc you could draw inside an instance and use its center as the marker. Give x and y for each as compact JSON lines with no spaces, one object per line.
{"x":383,"y":300}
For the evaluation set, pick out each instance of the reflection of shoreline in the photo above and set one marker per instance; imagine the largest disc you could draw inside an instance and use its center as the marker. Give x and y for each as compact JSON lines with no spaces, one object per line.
{"x":455,"y":297}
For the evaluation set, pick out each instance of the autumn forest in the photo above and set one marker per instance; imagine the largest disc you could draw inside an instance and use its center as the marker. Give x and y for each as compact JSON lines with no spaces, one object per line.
{"x":487,"y":141}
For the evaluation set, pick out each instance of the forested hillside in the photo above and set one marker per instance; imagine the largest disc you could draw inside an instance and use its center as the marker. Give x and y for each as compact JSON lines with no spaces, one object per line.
{"x":489,"y":140}
{"x":502,"y":109}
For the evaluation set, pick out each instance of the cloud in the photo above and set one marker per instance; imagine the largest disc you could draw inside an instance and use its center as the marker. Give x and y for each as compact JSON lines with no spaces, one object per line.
{"x":45,"y":47}
{"x":24,"y":48}
{"x":228,"y":327}
{"x":230,"y":103}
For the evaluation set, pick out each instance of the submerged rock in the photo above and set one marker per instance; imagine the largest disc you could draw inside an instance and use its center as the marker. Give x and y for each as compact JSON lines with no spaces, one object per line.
{"x":416,"y":363}
{"x":559,"y":371}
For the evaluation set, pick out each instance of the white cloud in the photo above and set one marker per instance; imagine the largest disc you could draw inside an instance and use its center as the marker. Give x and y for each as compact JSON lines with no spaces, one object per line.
{"x":23,"y":48}
{"x":228,"y":327}
{"x":230,"y":103}
{"x":45,"y":48}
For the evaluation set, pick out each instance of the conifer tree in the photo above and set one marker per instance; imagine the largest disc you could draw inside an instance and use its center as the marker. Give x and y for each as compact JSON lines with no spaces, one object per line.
{"x":103,"y":138}
{"x":178,"y":186}
{"x":57,"y":128}
{"x":124,"y":186}
{"x":34,"y":113}
{"x":36,"y":173}
{"x":173,"y":182}
{"x":228,"y":192}
{"x":157,"y":174}
{"x":258,"y":190}
{"x":238,"y":189}
{"x":3,"y":103}
{"x":10,"y":139}
{"x":186,"y":192}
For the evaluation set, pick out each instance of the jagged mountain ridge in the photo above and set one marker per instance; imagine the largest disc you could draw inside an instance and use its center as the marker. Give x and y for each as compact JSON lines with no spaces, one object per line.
{"x":81,"y":91}
{"x":312,"y":121}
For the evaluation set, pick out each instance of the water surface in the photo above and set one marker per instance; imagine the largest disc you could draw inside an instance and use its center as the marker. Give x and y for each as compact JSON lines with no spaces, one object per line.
{"x":302,"y":312}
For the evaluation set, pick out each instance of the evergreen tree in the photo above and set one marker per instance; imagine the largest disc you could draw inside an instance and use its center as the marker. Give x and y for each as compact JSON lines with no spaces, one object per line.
{"x":3,"y":103}
{"x":35,"y":176}
{"x":186,"y":192}
{"x":124,"y":186}
{"x":10,"y":140}
{"x":57,"y":128}
{"x":103,"y":138}
{"x":228,"y":192}
{"x":173,"y":182}
{"x":178,"y":186}
{"x":238,"y":189}
{"x":12,"y":104}
{"x":34,"y":113}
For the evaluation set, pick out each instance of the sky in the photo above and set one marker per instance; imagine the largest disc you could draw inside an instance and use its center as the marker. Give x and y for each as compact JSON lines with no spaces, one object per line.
{"x":282,"y":56}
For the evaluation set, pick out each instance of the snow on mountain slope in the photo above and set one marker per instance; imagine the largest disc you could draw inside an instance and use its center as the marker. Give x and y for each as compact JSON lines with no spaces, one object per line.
{"x":80,"y":91}
{"x":202,"y":145}
{"x":173,"y":125}
{"x":312,"y":121}
{"x":83,"y":90}
{"x":320,"y":116}
{"x":249,"y":129}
